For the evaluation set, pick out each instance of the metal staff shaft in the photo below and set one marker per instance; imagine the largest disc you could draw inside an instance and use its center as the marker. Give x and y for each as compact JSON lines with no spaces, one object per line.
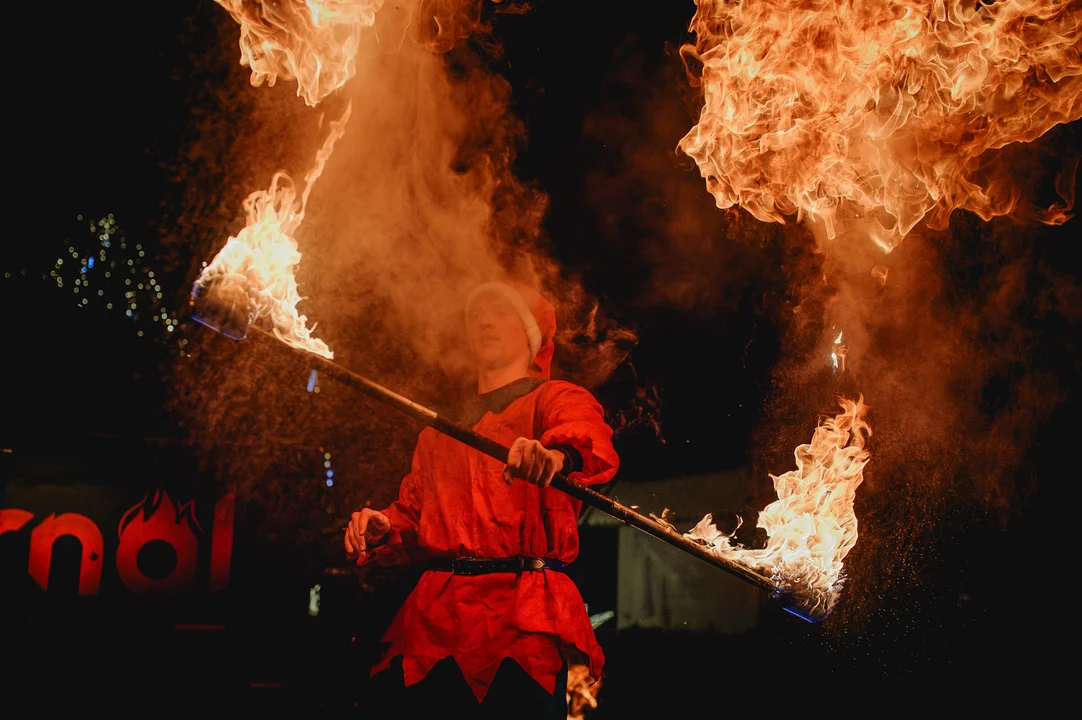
{"x":490,"y":447}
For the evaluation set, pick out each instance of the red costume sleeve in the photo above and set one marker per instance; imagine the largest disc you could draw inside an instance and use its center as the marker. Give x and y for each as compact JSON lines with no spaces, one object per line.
{"x":571,"y":416}
{"x":405,"y":514}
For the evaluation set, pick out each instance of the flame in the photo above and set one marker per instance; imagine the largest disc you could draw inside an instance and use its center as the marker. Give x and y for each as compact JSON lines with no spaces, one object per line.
{"x":839,"y":351}
{"x":312,"y":41}
{"x":158,"y":517}
{"x":260,"y":260}
{"x":155,"y":518}
{"x":582,"y":691}
{"x":812,"y":526}
{"x":877,"y":112}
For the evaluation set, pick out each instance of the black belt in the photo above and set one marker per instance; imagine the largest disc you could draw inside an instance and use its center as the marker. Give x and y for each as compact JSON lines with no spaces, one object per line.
{"x":482,"y":566}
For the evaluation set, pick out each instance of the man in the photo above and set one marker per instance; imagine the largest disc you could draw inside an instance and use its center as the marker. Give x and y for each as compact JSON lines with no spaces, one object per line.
{"x":493,"y":620}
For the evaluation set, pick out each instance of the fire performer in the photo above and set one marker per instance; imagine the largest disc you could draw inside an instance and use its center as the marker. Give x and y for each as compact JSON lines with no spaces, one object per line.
{"x":493,"y":619}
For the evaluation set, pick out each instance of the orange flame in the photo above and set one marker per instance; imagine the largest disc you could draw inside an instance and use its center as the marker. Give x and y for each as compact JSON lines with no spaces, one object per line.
{"x":582,"y":691}
{"x":312,"y":41}
{"x":876,"y":112}
{"x":262,"y":257}
{"x":812,"y":526}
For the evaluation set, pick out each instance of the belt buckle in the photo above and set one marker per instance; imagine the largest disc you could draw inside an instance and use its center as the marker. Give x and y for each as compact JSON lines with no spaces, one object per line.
{"x":534,"y":563}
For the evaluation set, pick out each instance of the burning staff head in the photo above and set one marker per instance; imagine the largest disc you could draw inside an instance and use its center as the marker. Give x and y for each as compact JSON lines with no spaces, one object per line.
{"x":253,"y":275}
{"x":811,"y":527}
{"x":224,"y":303}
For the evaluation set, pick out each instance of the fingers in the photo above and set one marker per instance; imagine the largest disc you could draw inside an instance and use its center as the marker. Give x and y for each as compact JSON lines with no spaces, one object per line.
{"x":378,"y":526}
{"x":358,"y":544}
{"x":515,"y":457}
{"x":355,"y":532}
{"x":354,"y":542}
{"x":357,"y":524}
{"x":367,"y":527}
{"x":352,"y":552}
{"x":535,"y":468}
{"x":552,"y":466}
{"x":533,"y":462}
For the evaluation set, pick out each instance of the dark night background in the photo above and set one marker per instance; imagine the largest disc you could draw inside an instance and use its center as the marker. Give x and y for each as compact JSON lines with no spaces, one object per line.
{"x":103,"y":111}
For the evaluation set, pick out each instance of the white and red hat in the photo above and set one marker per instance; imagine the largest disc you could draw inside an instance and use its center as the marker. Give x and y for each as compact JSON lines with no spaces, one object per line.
{"x":538,"y":317}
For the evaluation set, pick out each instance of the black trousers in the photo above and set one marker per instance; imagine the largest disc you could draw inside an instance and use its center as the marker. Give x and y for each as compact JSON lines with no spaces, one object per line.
{"x":513,"y":695}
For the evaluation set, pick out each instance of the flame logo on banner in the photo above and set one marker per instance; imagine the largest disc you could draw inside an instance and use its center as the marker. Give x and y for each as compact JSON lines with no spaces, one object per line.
{"x":158,"y":518}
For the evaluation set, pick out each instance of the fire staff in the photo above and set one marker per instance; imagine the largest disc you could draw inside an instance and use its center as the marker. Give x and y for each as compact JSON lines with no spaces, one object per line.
{"x":493,"y":621}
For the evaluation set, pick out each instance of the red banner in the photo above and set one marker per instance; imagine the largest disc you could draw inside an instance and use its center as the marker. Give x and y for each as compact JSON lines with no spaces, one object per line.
{"x":156,"y":520}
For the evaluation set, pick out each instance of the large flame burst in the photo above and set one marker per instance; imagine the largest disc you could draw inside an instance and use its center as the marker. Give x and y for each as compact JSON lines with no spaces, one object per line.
{"x":877,"y":112}
{"x":812,"y":526}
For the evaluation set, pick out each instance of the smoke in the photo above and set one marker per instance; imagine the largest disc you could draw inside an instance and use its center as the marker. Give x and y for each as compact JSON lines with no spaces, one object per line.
{"x":937,"y":334}
{"x":653,"y":211}
{"x":418,"y":204}
{"x":679,"y":262}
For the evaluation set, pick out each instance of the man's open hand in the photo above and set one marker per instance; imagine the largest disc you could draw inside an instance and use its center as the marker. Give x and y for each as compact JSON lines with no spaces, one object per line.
{"x":532,"y":462}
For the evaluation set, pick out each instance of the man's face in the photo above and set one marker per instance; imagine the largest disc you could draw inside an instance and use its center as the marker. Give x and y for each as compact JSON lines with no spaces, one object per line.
{"x":495,"y":333}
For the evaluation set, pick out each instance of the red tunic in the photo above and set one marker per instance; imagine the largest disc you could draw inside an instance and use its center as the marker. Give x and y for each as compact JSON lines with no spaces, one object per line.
{"x":454,"y":502}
